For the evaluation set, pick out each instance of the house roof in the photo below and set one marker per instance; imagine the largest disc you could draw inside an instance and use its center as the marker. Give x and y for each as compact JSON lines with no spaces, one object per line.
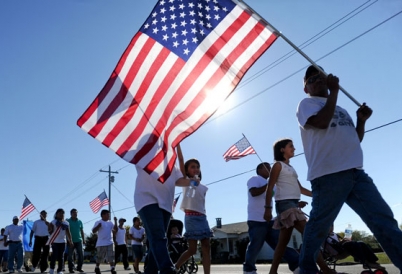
{"x":235,"y":228}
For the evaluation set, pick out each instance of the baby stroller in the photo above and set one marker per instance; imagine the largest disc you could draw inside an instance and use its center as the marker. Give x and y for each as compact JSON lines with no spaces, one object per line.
{"x":333,"y":250}
{"x":176,"y":247}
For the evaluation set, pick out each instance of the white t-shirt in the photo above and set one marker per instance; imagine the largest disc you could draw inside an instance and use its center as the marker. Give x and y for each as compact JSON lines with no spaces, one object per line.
{"x":137,"y":233}
{"x":149,"y":191}
{"x":329,"y":150}
{"x":121,"y":236}
{"x":105,"y":236}
{"x":196,"y":203}
{"x":40,"y":228}
{"x":255,"y":207}
{"x":61,"y":237}
{"x":2,"y":247}
{"x":287,"y":186}
{"x":14,"y":232}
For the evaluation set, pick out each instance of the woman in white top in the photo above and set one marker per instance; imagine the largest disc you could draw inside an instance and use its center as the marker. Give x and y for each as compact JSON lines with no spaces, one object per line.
{"x":287,"y":201}
{"x":59,"y":230}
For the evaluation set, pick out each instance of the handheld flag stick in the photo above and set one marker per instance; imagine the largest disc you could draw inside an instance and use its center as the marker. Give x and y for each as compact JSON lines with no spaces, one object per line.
{"x":240,"y":2}
{"x":256,"y":153}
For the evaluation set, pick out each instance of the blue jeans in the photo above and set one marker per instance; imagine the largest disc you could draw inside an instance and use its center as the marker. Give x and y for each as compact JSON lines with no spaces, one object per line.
{"x":80,"y":256}
{"x":355,"y":188}
{"x":15,"y":249}
{"x":156,"y":221}
{"x":260,"y":232}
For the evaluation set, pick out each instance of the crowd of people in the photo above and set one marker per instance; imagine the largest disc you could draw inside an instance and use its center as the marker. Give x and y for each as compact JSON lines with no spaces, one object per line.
{"x":61,"y":240}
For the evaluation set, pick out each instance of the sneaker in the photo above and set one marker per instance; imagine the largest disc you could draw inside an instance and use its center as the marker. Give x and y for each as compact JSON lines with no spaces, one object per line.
{"x":19,"y":270}
{"x":51,"y":271}
{"x":373,"y":265}
{"x":127,"y":268}
{"x":97,"y":270}
{"x":250,"y":272}
{"x":32,"y":269}
{"x":60,"y":272}
{"x":71,"y":271}
{"x":113,"y":271}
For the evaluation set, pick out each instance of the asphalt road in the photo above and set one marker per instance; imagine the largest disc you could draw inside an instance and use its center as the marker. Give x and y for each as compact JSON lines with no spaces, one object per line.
{"x":237,"y":269}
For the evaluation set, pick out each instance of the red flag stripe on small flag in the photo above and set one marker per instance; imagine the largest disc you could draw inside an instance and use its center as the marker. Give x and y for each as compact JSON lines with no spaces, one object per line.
{"x":172,"y":78}
{"x":27,"y":207}
{"x":99,"y":202}
{"x":240,"y":149}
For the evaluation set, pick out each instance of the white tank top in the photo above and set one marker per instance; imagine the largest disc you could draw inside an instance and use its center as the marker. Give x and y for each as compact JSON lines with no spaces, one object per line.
{"x":287,"y":186}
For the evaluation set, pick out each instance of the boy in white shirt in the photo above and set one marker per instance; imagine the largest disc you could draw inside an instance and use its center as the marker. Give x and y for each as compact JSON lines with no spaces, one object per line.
{"x":105,"y":248}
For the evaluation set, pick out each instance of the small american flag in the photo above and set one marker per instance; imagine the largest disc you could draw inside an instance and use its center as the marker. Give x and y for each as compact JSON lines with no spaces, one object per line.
{"x":238,"y":150}
{"x":99,"y":202}
{"x":185,"y":60}
{"x":27,"y":207}
{"x":175,"y":203}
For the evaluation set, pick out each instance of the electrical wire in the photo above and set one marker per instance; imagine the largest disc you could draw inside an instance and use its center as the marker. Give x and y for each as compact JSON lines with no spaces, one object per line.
{"x":301,"y":69}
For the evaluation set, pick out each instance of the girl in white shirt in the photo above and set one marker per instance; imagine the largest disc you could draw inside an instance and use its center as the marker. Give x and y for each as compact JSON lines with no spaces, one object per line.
{"x":287,"y":201}
{"x":195,"y":220}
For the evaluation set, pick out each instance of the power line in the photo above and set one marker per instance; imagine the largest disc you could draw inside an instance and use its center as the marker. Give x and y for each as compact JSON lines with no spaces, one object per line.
{"x":301,"y":69}
{"x":305,"y":44}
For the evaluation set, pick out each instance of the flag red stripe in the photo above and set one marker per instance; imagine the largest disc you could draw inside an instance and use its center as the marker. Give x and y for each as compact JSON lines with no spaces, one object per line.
{"x":109,"y":84}
{"x":134,"y":103}
{"x":210,"y":85}
{"x":186,"y":85}
{"x":121,"y":95}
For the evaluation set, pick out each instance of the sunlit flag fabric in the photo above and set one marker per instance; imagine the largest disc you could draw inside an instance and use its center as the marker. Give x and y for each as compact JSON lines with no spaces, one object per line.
{"x":27,"y":207}
{"x":99,"y":202}
{"x":240,"y":149}
{"x":185,"y":60}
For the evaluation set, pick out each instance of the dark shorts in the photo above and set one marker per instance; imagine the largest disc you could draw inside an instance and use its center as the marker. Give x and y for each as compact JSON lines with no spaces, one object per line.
{"x":4,"y":255}
{"x":137,"y":251}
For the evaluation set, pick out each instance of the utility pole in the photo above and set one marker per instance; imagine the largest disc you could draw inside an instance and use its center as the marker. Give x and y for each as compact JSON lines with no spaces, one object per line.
{"x":111,"y":180}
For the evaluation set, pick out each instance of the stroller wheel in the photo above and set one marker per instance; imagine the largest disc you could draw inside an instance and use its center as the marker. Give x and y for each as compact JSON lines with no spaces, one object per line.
{"x":195,"y":268}
{"x":380,"y":271}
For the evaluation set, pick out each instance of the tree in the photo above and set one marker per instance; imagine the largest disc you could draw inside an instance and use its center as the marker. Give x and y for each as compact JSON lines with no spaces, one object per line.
{"x":90,"y":243}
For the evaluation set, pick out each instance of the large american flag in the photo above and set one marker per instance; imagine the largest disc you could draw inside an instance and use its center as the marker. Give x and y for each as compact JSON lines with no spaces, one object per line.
{"x":99,"y":202}
{"x":27,"y":207}
{"x":182,"y":64}
{"x":240,"y":149}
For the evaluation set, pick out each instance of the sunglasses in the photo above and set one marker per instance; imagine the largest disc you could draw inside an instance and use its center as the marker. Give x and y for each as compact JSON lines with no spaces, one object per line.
{"x":312,"y":79}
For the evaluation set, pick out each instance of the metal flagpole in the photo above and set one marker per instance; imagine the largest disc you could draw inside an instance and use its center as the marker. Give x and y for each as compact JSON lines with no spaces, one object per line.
{"x":242,"y":3}
{"x":34,"y":206}
{"x":256,"y":153}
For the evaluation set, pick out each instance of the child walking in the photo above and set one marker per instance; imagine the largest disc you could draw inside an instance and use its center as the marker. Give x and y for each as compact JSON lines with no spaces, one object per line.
{"x":287,"y":202}
{"x":195,"y":220}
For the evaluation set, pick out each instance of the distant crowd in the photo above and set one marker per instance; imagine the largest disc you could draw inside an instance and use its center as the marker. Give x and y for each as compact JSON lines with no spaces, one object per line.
{"x":61,"y":240}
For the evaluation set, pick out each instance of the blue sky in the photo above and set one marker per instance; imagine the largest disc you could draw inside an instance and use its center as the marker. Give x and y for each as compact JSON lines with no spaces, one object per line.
{"x":56,"y":56}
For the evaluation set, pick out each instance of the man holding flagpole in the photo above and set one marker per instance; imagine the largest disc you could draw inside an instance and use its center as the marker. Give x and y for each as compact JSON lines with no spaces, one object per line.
{"x":334,"y":157}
